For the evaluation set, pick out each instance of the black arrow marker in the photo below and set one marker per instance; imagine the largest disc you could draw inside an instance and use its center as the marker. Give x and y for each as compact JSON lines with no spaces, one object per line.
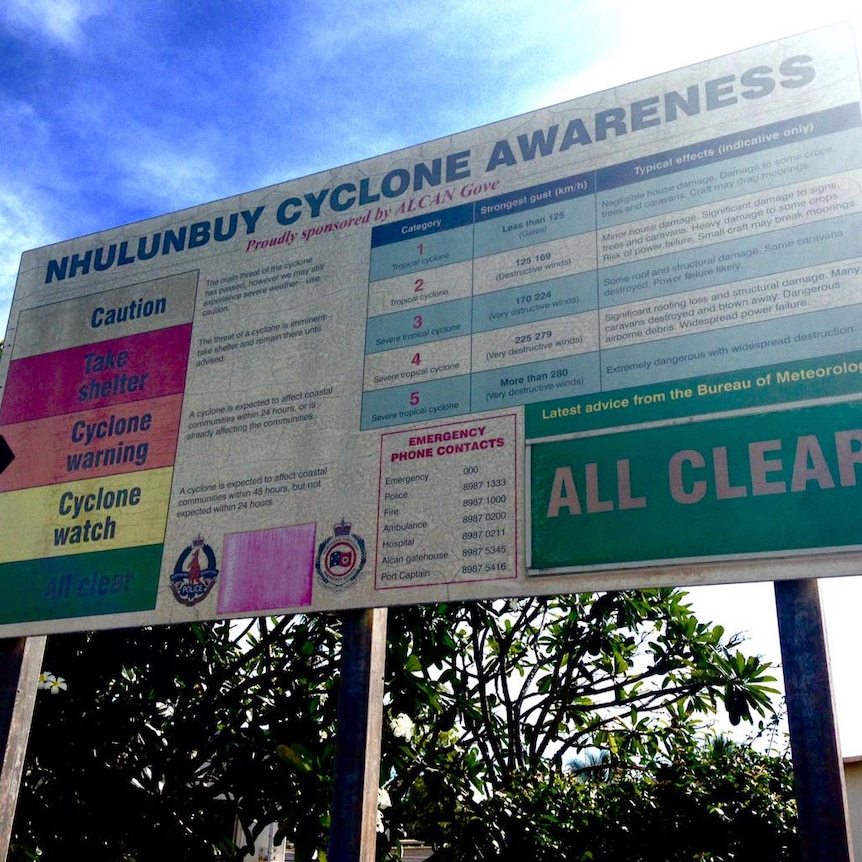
{"x":6,"y":456}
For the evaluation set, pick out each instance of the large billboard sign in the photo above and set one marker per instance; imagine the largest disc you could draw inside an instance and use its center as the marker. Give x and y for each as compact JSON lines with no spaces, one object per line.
{"x":614,"y":342}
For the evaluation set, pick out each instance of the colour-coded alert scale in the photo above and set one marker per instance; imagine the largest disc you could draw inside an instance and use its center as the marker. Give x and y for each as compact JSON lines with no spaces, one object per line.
{"x":91,"y":412}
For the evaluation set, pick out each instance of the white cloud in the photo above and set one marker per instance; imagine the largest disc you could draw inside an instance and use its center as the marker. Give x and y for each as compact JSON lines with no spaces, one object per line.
{"x":60,"y":20}
{"x":639,"y":39}
{"x":168,"y":178}
{"x":21,"y":228}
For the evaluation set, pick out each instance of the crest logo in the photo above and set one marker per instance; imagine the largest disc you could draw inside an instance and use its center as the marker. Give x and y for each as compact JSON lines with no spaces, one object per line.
{"x":194,"y":574}
{"x":341,"y":558}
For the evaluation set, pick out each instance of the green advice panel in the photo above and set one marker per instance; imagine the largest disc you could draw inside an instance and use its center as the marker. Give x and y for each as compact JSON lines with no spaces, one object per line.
{"x":80,"y":585}
{"x":785,"y":481}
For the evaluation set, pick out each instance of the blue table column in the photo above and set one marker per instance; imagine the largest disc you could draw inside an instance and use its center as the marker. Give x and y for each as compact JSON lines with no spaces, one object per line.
{"x":535,"y":329}
{"x":417,"y":339}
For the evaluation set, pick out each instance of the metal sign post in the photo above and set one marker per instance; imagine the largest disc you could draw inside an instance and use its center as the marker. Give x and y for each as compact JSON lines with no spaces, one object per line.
{"x":818,"y":775}
{"x":20,"y":663}
{"x":360,"y":717}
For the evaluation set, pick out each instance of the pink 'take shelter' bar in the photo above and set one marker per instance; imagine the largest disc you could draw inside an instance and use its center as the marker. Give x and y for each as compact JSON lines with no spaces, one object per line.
{"x":134,"y":368}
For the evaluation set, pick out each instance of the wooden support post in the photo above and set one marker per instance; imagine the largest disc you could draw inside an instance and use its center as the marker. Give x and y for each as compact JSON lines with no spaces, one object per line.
{"x":353,"y":834}
{"x":20,"y":664}
{"x":818,"y":772}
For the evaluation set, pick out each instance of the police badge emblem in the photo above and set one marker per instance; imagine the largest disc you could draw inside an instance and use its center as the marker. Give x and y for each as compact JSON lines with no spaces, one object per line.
{"x":194,"y":574}
{"x":341,"y":558}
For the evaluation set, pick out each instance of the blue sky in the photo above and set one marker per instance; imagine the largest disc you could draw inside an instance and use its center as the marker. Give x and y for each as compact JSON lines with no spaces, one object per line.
{"x":116,"y":110}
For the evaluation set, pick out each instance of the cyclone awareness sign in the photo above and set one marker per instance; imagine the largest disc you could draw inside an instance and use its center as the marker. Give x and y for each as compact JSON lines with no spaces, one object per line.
{"x":610,"y":343}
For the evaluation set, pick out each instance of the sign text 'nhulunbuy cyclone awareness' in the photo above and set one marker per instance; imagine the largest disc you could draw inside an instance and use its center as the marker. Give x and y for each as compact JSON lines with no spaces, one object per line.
{"x":606,"y":344}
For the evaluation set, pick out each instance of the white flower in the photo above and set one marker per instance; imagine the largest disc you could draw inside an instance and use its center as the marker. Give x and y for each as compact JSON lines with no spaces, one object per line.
{"x":45,"y":680}
{"x":402,"y":726}
{"x":56,"y":684}
{"x":448,"y":738}
{"x":383,"y":801}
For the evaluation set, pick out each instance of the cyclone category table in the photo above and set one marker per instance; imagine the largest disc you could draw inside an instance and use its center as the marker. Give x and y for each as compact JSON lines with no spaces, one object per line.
{"x":712,"y":257}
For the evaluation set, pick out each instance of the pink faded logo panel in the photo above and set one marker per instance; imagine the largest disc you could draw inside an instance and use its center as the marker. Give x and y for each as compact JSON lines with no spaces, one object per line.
{"x":267,"y":569}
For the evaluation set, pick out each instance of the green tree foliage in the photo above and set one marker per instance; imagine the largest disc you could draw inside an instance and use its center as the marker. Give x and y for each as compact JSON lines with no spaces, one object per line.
{"x":506,"y":695}
{"x":165,"y":735}
{"x":715,"y":801}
